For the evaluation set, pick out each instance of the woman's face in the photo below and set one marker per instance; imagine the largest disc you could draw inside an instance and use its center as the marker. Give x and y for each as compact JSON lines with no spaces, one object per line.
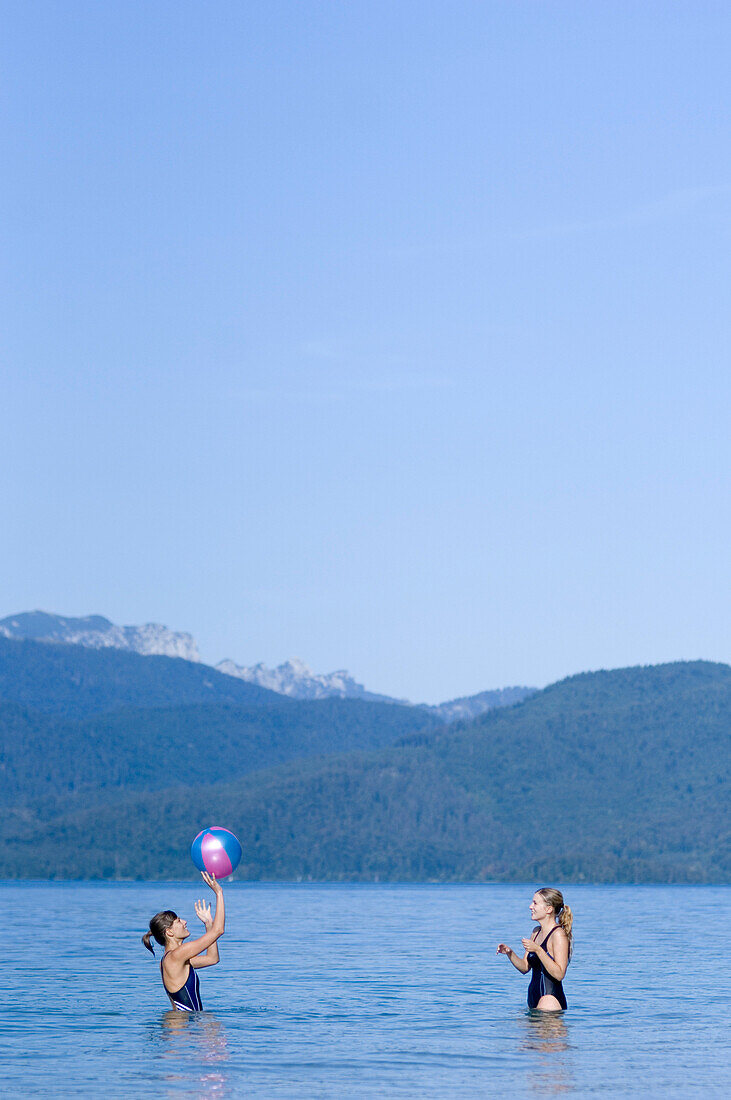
{"x":179,"y":929}
{"x":539,"y":907}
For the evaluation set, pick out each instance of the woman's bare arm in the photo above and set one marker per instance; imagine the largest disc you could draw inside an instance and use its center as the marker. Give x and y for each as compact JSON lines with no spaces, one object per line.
{"x":191,"y":948}
{"x":203,"y":912}
{"x":555,"y":966}
{"x":519,"y":963}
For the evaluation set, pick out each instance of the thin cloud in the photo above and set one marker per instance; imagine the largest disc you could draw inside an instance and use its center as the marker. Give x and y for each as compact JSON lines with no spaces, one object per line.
{"x":662,"y":209}
{"x":345,"y":388}
{"x":674,"y":204}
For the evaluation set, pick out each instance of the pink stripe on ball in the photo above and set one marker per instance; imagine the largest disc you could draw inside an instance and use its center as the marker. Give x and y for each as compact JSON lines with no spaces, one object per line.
{"x":214,"y":857}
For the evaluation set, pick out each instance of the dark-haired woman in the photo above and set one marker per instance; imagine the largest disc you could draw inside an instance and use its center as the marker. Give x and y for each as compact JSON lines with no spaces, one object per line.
{"x":181,"y":960}
{"x":547,"y":952}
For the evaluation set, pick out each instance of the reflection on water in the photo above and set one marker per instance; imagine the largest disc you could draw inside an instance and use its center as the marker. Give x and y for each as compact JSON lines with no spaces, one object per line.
{"x":546,"y":1035}
{"x":199,"y":1037}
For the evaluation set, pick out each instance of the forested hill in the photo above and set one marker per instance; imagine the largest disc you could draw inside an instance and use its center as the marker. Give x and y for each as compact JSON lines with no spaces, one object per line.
{"x":78,"y":726}
{"x":74,"y":680}
{"x":50,"y":762}
{"x":609,"y":776}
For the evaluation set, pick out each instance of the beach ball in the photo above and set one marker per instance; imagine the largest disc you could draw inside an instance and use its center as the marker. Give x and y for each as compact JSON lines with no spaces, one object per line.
{"x":216,"y":850}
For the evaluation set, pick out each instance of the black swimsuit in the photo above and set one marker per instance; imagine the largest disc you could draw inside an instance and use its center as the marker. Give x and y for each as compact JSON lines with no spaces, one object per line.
{"x":188,"y":997}
{"x":541,"y":983}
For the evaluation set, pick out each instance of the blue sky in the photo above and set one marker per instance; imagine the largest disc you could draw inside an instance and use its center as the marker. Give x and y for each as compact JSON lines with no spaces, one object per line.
{"x":394,"y":336}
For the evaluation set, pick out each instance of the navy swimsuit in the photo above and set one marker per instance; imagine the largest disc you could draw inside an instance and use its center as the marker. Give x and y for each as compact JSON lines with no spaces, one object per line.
{"x":541,"y":983}
{"x":188,"y":998}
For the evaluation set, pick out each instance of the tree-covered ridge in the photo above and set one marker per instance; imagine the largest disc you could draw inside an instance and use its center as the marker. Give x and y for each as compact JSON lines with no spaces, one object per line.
{"x":49,"y":759}
{"x":610,"y":776}
{"x":74,"y":680}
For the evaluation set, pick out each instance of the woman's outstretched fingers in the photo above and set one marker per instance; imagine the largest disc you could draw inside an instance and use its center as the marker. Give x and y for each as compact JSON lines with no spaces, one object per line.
{"x":211,"y":880}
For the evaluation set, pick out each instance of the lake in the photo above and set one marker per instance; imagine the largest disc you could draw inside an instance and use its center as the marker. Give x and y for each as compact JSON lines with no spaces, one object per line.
{"x":364,"y":991}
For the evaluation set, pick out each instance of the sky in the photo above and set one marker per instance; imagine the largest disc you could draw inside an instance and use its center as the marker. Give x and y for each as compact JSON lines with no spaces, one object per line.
{"x":393,"y":336}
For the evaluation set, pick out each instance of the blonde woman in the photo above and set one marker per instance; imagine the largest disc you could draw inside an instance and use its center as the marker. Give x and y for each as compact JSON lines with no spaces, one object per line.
{"x":547,"y":952}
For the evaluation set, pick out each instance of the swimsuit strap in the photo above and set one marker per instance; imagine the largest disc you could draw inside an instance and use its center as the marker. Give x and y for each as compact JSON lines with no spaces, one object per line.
{"x":548,"y":936}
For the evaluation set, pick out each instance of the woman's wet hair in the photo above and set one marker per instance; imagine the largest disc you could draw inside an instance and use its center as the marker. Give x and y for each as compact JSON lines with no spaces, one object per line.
{"x":158,"y":927}
{"x":564,"y":916}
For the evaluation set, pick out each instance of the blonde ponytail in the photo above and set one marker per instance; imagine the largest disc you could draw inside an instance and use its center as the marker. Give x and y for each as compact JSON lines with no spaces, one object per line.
{"x":564,"y":916}
{"x":566,"y":920}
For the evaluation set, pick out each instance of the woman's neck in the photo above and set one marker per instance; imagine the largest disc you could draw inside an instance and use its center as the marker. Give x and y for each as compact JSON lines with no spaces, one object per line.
{"x":547,"y":923}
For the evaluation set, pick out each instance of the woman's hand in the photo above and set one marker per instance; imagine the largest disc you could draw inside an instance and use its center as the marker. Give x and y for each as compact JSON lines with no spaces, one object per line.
{"x":520,"y":964}
{"x":203,"y":912}
{"x":212,"y":881}
{"x":529,"y":944}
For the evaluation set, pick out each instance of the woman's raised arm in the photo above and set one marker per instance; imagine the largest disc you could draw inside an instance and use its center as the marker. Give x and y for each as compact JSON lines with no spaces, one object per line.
{"x":187,"y":951}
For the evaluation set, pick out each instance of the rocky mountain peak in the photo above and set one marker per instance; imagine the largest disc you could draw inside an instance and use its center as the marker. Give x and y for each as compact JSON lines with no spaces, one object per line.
{"x":96,"y":632}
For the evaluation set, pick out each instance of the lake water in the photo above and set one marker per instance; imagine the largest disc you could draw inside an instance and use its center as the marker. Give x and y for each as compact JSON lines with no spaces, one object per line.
{"x":364,"y":991}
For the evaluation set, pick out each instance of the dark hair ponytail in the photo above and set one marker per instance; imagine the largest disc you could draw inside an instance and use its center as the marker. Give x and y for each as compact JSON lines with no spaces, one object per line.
{"x":158,"y":927}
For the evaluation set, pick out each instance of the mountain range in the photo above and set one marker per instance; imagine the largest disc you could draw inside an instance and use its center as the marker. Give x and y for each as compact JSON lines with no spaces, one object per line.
{"x":112,"y":761}
{"x":292,"y":678}
{"x":96,"y":632}
{"x":296,"y":679}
